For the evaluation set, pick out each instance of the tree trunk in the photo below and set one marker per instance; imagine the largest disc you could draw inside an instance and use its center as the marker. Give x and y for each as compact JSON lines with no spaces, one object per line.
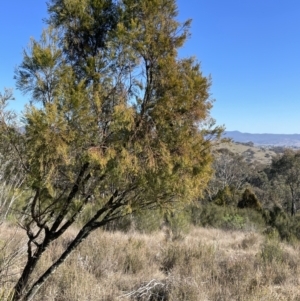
{"x":81,"y":236}
{"x":294,"y":209}
{"x":22,"y":283}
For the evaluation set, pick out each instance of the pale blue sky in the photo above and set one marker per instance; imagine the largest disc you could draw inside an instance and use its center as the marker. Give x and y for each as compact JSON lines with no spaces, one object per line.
{"x":251,"y":48}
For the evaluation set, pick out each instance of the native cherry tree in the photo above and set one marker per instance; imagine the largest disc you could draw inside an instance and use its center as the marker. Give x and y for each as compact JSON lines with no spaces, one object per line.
{"x":117,"y":120}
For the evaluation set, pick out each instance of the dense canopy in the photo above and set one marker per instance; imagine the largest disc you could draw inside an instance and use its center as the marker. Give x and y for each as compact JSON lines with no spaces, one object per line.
{"x":118,"y":122}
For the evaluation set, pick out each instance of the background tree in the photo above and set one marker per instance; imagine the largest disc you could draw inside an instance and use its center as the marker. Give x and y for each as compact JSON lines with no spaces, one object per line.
{"x":249,"y":200}
{"x":230,"y":173}
{"x":285,"y":176}
{"x":11,"y":176}
{"x":261,"y":187}
{"x":119,"y":121}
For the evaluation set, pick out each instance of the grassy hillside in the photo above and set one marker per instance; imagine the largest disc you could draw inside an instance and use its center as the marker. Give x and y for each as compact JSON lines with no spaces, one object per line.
{"x":252,"y":154}
{"x":205,"y":264}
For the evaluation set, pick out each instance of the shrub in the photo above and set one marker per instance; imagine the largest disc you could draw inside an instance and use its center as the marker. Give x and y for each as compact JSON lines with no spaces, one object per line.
{"x":225,"y":197}
{"x":271,"y":252}
{"x":227,"y":218}
{"x":287,"y":227}
{"x":179,"y":223}
{"x":148,"y":221}
{"x":249,"y":200}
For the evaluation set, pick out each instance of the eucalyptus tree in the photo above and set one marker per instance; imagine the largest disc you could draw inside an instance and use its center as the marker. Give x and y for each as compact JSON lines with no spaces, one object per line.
{"x":230,"y":174}
{"x":285,"y":176}
{"x":118,"y":121}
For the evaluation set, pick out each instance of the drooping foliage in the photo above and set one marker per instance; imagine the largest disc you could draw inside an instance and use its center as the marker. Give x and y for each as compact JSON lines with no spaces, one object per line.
{"x":120,"y":121}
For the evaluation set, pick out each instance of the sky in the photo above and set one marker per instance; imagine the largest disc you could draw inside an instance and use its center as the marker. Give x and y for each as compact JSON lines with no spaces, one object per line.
{"x":250,"y":48}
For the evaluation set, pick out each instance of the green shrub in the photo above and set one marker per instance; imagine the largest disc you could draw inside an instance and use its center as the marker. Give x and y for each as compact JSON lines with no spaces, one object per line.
{"x":271,"y":252}
{"x":225,"y":197}
{"x":208,"y":215}
{"x":287,"y":227}
{"x":148,"y":221}
{"x":227,"y":217}
{"x":249,"y":200}
{"x":233,"y":221}
{"x":179,"y":222}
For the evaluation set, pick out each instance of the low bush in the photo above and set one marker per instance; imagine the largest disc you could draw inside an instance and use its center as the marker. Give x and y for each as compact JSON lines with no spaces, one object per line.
{"x":227,"y":217}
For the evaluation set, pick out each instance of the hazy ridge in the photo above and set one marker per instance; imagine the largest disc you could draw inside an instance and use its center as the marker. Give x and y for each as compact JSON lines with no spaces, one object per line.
{"x":288,"y":140}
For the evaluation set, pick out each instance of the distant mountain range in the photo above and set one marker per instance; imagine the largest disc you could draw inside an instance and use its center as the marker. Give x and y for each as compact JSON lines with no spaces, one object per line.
{"x":288,"y":140}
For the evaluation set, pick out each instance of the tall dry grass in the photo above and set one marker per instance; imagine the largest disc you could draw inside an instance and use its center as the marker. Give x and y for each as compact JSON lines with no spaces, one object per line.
{"x":205,"y":264}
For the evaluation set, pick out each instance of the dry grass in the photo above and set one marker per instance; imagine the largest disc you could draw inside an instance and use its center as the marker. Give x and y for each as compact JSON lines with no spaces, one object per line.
{"x":206,"y":264}
{"x":250,"y":153}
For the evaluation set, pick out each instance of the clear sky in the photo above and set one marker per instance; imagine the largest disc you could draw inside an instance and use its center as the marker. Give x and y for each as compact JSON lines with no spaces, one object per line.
{"x":251,"y":49}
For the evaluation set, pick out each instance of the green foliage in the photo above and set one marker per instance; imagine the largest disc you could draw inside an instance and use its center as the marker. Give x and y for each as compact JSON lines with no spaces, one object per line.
{"x":234,"y":221}
{"x":227,"y":218}
{"x":148,"y":221}
{"x":285,"y":176}
{"x":87,"y":25}
{"x":225,"y":197}
{"x":285,"y":226}
{"x":98,"y":110}
{"x":179,"y":222}
{"x":122,"y":124}
{"x":145,"y":221}
{"x":249,"y":200}
{"x":272,"y":252}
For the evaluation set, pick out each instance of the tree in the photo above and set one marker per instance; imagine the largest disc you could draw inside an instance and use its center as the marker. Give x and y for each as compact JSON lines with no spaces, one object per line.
{"x":285,"y":175}
{"x":11,"y":176}
{"x":249,"y":200}
{"x":119,"y":125}
{"x":230,"y":173}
